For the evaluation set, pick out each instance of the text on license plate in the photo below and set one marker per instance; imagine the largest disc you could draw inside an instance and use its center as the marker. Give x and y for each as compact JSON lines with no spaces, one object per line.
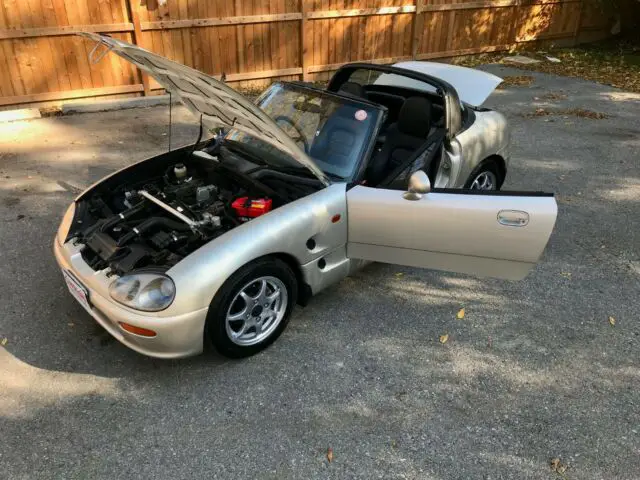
{"x":77,"y":290}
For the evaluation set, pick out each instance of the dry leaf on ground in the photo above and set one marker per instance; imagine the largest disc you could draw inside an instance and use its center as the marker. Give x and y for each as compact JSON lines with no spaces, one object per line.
{"x":330,"y":454}
{"x":554,"y":96}
{"x":4,"y":341}
{"x":577,"y":112}
{"x":460,"y":314}
{"x":584,"y":113}
{"x":557,"y":466}
{"x":444,"y":338}
{"x":612,"y":321}
{"x":612,"y":62}
{"x":519,"y":81}
{"x":399,"y":275}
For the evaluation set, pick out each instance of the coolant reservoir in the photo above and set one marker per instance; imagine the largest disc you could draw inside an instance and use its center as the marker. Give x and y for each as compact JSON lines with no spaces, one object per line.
{"x":180,"y":171}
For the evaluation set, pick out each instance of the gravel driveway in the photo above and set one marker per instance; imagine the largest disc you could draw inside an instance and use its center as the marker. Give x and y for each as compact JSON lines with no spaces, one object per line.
{"x":534,"y":371}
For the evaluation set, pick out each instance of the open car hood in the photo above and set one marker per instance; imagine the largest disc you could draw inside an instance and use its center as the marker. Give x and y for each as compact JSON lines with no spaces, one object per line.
{"x":219,"y":105}
{"x":473,"y":86}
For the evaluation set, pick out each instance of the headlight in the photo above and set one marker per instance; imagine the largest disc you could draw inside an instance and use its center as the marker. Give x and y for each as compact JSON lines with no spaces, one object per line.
{"x":65,"y":224}
{"x":144,"y":291}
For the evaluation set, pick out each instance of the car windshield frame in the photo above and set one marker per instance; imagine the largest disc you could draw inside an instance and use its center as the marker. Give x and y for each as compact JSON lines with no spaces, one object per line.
{"x":373,"y":118}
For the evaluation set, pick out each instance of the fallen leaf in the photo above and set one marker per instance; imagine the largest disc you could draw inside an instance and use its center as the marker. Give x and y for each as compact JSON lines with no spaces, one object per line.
{"x":566,"y":274}
{"x":71,"y":324}
{"x":399,"y":274}
{"x":612,"y":321}
{"x":330,"y":454}
{"x":517,"y":81}
{"x":444,"y":338}
{"x":557,"y":466}
{"x":460,"y":314}
{"x":4,"y":341}
{"x":554,"y":96}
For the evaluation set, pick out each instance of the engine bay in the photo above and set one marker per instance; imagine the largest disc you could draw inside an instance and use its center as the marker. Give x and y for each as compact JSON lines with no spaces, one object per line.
{"x":155,"y":213}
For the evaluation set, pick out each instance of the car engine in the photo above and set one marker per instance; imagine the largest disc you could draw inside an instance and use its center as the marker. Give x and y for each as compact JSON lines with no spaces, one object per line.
{"x":157,"y":221}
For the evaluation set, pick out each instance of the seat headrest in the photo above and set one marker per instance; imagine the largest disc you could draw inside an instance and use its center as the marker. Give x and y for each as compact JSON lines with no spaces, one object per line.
{"x":415,"y":117}
{"x":352,"y":88}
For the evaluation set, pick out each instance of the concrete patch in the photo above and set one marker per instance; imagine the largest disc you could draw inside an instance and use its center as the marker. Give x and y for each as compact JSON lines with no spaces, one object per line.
{"x":21,"y":114}
{"x":520,"y":59}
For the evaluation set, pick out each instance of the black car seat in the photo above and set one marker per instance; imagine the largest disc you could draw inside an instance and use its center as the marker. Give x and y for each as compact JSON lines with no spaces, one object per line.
{"x":393,"y":103}
{"x":403,"y":138}
{"x":352,"y":89}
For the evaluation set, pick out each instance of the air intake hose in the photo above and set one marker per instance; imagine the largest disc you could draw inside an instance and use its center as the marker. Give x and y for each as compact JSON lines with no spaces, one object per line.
{"x":148,"y":225}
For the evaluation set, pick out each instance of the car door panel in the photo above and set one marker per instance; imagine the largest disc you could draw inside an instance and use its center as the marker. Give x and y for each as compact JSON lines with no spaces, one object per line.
{"x":481,"y":234}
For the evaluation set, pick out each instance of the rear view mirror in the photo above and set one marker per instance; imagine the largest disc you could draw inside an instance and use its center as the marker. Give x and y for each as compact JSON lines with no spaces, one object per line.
{"x":419,"y":184}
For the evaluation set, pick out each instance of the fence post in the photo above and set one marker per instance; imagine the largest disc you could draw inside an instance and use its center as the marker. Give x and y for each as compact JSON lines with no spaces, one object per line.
{"x":134,"y":16}
{"x":303,"y":41}
{"x":417,"y":28}
{"x":576,"y":31}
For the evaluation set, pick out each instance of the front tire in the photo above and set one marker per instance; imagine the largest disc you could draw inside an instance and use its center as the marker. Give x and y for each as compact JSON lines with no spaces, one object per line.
{"x":252,"y":308}
{"x":486,"y":178}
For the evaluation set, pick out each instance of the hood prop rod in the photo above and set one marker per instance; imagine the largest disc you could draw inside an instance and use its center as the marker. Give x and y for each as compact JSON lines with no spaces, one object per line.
{"x":170,"y":120}
{"x":192,"y":223}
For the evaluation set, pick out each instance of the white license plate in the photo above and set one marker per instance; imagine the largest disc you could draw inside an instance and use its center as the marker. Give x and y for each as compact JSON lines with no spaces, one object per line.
{"x":77,"y":290}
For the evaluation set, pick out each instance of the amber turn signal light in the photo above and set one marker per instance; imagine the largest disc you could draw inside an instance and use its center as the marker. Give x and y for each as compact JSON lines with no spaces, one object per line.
{"x":143,"y":332}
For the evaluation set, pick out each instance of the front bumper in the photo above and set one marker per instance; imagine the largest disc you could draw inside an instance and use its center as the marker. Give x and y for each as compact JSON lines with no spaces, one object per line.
{"x":177,"y":336}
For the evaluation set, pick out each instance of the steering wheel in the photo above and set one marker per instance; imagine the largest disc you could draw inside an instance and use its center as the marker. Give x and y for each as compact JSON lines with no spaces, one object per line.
{"x":300,"y":137}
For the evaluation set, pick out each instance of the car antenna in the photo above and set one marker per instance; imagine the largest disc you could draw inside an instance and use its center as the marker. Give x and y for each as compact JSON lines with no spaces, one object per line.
{"x":170,"y":103}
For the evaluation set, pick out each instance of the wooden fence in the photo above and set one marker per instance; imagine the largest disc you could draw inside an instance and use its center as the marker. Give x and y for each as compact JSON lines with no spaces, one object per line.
{"x":253,"y":41}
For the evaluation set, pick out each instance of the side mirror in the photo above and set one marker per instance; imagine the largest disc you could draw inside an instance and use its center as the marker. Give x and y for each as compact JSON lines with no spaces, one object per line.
{"x":419,"y":184}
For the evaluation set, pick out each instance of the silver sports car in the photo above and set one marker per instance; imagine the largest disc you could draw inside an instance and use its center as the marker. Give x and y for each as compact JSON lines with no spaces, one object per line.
{"x":214,"y":243}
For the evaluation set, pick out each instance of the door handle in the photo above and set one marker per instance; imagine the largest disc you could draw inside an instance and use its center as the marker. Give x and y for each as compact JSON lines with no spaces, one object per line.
{"x":513,"y":218}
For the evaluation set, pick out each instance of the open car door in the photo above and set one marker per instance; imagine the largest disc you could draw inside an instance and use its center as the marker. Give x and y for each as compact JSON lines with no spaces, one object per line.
{"x":495,"y":234}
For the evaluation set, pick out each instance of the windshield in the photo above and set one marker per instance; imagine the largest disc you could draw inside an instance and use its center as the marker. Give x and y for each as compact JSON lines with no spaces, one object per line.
{"x":334,"y":131}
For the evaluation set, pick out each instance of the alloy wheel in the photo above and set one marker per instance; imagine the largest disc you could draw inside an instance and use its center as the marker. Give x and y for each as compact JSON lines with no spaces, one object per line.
{"x":256,"y":311}
{"x":485,"y":180}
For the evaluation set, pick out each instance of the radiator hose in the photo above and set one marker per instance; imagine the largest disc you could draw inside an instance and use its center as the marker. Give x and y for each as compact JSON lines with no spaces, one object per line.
{"x":112,"y":221}
{"x":149,"y":224}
